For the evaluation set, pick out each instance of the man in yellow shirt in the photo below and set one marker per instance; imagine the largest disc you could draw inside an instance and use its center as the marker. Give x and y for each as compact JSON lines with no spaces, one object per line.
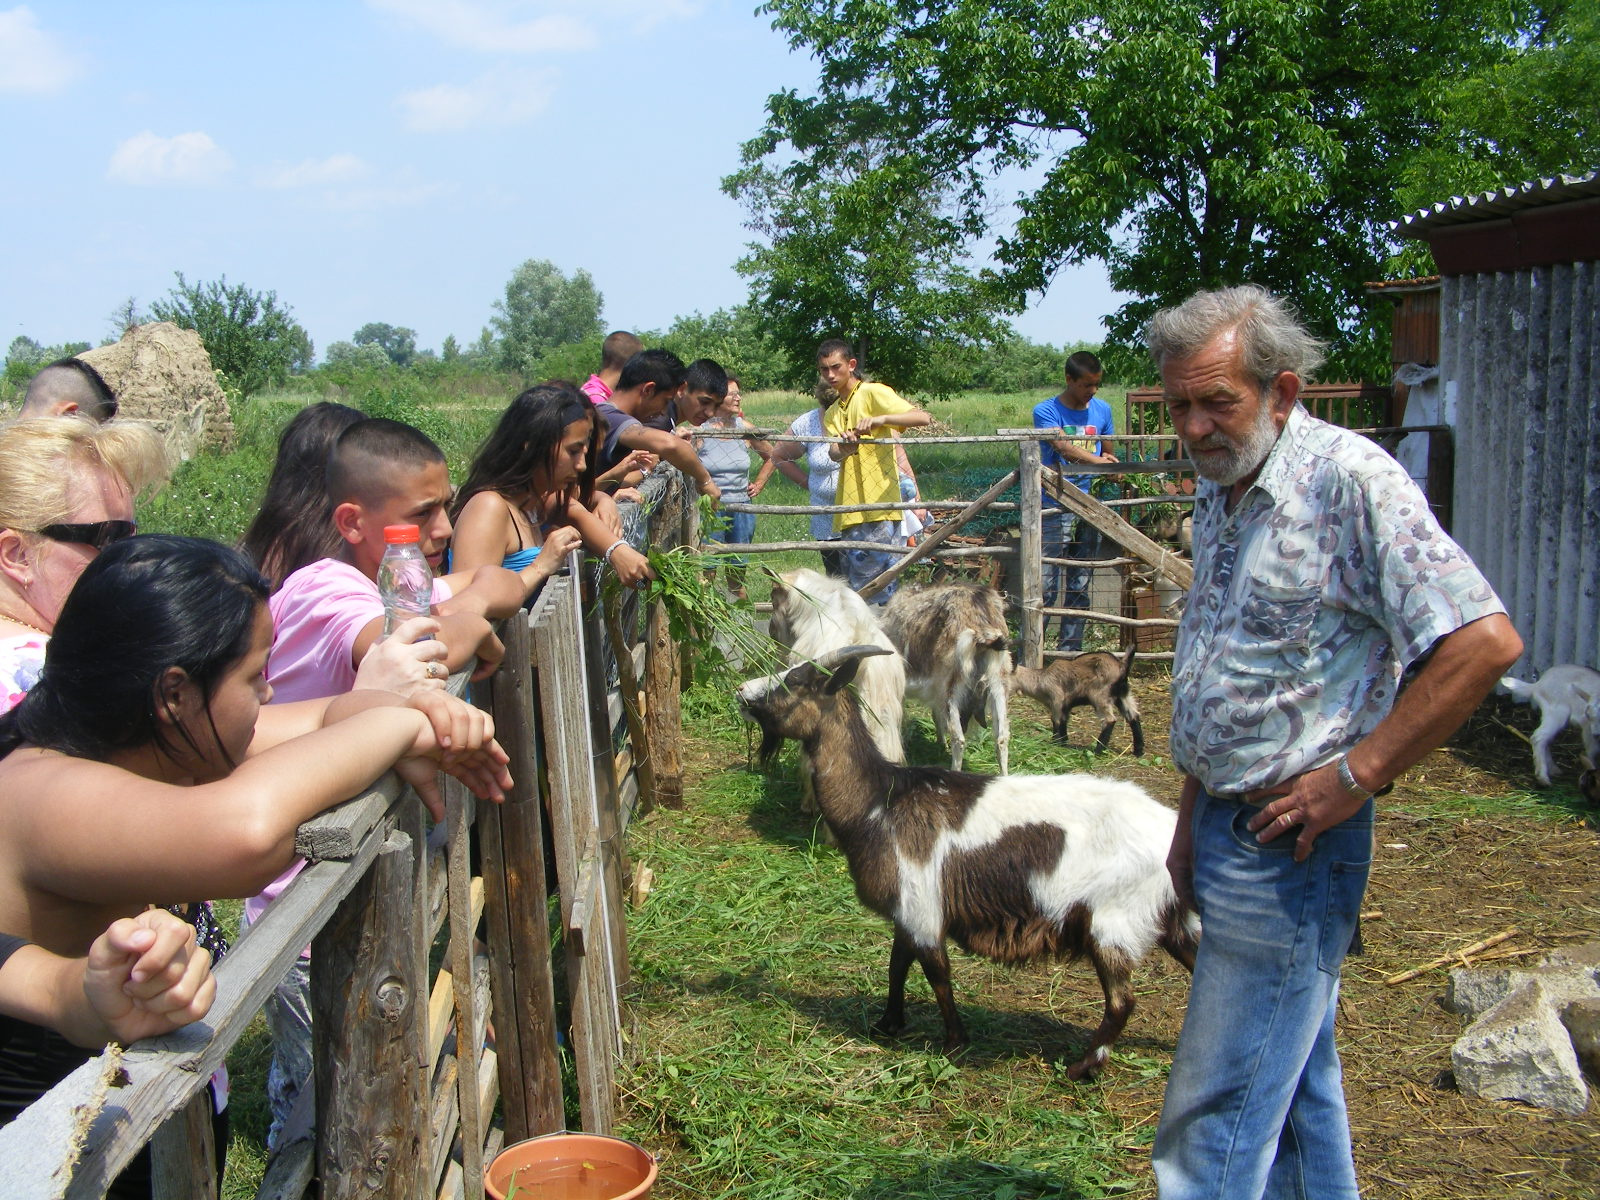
{"x":867,"y":471}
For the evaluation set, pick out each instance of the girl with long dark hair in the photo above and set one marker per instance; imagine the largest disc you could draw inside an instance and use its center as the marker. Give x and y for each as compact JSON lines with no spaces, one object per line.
{"x":530,"y":495}
{"x":142,"y":768}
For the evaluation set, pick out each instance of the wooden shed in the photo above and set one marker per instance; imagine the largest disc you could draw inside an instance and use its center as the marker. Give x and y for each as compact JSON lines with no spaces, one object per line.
{"x":1519,"y":379}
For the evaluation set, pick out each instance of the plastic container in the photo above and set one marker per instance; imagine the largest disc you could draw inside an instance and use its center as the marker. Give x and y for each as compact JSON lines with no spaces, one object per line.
{"x":571,"y":1166}
{"x":405,"y":581}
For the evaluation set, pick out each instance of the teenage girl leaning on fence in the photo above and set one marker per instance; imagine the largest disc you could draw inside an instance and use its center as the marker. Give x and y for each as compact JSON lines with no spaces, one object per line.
{"x":142,"y":768}
{"x":531,"y":490}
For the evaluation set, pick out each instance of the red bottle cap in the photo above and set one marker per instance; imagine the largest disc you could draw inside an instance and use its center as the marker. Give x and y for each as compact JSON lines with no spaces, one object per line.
{"x":401,"y":535}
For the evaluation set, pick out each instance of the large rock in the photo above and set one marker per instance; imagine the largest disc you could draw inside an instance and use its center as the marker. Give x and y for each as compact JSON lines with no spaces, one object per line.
{"x":1519,"y":1050}
{"x":1582,"y":1019}
{"x":1565,"y":976}
{"x":162,"y":374}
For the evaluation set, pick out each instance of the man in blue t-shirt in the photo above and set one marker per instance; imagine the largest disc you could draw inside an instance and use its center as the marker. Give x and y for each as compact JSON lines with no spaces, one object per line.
{"x":1063,"y":535}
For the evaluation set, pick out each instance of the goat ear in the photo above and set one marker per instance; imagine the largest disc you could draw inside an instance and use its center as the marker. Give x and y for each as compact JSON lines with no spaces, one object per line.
{"x":841,"y":676}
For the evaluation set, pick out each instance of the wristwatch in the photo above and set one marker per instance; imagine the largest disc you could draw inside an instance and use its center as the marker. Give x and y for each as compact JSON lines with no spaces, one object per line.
{"x":1347,"y":780}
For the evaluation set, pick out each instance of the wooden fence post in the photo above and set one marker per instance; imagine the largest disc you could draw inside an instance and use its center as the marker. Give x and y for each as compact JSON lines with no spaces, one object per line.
{"x":1031,"y":549}
{"x":371,"y":1045}
{"x":587,"y":893}
{"x":663,"y":671}
{"x":522,"y":979}
{"x":183,"y":1153}
{"x":603,"y":765}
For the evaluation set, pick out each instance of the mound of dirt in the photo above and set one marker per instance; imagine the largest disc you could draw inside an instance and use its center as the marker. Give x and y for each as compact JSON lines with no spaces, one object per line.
{"x":162,"y":374}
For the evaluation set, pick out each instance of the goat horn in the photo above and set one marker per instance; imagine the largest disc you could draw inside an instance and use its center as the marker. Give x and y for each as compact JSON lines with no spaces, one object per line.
{"x":834,"y":659}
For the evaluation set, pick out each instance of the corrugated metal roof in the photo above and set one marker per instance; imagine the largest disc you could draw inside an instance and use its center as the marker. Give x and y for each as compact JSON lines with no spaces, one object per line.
{"x":1421,"y":283}
{"x":1502,"y":202}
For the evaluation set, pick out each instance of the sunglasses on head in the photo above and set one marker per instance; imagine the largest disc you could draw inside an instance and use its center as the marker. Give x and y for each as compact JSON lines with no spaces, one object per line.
{"x":98,"y":534}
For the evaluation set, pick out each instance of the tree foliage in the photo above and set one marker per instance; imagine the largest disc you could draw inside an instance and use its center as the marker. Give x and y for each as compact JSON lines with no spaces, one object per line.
{"x":25,"y":356}
{"x":741,"y":340}
{"x":543,"y":309}
{"x":252,"y":339}
{"x":398,"y":343}
{"x":1188,"y":144}
{"x":867,"y":246}
{"x":1525,"y":115}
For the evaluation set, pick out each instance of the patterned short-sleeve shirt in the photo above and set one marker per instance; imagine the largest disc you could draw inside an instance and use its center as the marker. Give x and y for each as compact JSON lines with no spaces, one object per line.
{"x":1330,"y":576}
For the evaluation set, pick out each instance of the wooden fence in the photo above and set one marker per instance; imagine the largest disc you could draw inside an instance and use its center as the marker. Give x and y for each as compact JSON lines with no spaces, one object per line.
{"x":1137,"y":551}
{"x":1153,"y":575}
{"x":407,"y":1074}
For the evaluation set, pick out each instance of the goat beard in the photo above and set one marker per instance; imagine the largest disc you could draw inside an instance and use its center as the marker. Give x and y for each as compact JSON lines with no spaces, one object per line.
{"x":771,"y":740}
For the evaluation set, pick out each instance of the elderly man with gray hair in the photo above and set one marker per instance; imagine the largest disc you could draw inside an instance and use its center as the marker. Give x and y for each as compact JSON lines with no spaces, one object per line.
{"x":1320,"y":576}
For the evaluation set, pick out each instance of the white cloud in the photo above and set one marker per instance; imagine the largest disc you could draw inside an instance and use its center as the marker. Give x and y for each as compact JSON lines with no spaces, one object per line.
{"x":498,"y":98}
{"x":186,"y":158}
{"x":315,"y":172}
{"x":31,"y":60}
{"x":496,"y":26}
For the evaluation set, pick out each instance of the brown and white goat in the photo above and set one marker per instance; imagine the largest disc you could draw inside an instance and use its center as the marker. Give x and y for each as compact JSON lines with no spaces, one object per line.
{"x":1017,"y":869}
{"x":1098,"y":679}
{"x":956,"y":646}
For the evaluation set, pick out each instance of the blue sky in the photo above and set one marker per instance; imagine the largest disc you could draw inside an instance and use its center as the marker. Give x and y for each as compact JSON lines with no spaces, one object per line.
{"x":390,"y":160}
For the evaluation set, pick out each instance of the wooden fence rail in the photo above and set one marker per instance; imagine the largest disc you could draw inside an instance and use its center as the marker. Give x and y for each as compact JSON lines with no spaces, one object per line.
{"x":406,"y":1081}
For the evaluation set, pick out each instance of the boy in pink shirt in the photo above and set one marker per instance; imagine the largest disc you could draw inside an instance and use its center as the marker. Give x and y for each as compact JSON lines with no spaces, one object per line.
{"x":328,"y":615}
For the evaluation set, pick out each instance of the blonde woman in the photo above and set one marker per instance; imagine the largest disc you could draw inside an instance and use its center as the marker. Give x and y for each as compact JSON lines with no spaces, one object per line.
{"x":67,"y":488}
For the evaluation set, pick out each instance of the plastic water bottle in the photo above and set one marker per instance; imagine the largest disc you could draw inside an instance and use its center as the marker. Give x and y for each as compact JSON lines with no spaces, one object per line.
{"x":405,"y":580}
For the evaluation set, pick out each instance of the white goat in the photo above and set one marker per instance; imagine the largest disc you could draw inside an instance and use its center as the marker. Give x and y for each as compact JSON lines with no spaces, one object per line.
{"x":1016,"y":869}
{"x":1565,"y":695}
{"x":956,"y":645}
{"x":813,"y":614}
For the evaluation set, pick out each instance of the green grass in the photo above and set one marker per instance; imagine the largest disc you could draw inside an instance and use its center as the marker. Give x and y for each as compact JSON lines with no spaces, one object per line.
{"x":756,"y":976}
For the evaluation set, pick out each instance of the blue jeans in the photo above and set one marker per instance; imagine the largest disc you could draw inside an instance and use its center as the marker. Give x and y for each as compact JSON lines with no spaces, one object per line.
{"x":1063,"y":535}
{"x":741,"y":528}
{"x":288,"y":1011}
{"x":1255,"y":1102}
{"x":863,"y":566}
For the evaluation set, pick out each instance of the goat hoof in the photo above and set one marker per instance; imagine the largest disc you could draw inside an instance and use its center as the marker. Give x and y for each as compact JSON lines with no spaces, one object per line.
{"x":1083,"y":1071}
{"x":888,"y":1028}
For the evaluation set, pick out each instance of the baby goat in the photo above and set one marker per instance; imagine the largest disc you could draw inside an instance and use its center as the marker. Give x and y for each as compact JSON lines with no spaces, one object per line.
{"x":1564,"y":695}
{"x":955,"y":642}
{"x":1017,"y":869}
{"x":1096,"y":678}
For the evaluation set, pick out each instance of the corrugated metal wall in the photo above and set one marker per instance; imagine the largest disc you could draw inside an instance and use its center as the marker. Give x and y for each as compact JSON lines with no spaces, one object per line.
{"x":1521,"y":352}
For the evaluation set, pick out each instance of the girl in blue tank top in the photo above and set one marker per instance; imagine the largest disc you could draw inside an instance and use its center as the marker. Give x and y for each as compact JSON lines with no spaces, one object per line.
{"x":529,"y":498}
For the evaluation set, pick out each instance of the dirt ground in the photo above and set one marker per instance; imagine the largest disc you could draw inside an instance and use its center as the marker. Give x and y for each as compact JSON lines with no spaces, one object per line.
{"x":1440,"y":882}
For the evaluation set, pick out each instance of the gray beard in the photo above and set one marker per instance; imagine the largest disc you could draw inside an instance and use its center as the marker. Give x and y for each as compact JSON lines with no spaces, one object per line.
{"x":1243,"y":456}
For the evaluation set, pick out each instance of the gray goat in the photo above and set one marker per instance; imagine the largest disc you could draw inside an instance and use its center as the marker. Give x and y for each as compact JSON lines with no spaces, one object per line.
{"x":1017,"y":869}
{"x":1098,"y":679}
{"x":956,"y":645}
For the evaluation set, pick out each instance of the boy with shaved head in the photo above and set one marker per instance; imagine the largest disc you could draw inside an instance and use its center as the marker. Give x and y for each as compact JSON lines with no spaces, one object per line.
{"x":69,"y":385}
{"x":328,"y":614}
{"x":615,"y":351}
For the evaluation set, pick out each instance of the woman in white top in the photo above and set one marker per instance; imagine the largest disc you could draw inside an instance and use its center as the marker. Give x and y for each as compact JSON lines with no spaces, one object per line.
{"x":820,"y":475}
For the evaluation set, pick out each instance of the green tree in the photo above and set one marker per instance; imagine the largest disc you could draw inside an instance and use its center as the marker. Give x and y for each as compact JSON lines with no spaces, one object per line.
{"x":367,"y":355}
{"x":450,"y":350}
{"x":1527,"y":115}
{"x":741,"y":341}
{"x":1186,"y":144}
{"x":396,"y":341}
{"x":123,"y":318}
{"x":866,"y":245}
{"x":250,"y":336}
{"x":543,"y":309}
